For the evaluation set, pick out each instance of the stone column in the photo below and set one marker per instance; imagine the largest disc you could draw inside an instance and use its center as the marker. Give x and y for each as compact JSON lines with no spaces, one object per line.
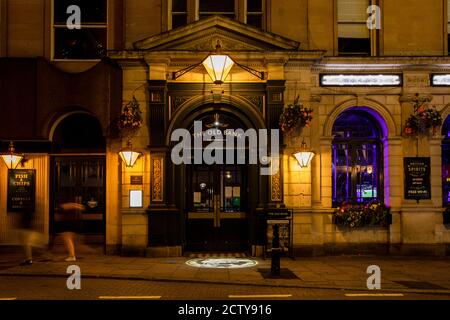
{"x":275,"y":105}
{"x":393,"y":183}
{"x":436,"y":186}
{"x":113,"y":197}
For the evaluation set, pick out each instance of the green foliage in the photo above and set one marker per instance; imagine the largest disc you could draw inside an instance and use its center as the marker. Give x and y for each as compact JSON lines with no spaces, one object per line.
{"x":354,"y":216}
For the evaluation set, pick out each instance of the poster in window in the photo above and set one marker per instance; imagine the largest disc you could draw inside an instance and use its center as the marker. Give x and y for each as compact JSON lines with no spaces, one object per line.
{"x":284,"y":232}
{"x":21,"y":190}
{"x":417,"y":178}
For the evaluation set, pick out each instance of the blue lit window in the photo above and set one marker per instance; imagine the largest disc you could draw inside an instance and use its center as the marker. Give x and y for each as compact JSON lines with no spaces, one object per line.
{"x":357,"y":159}
{"x":446,"y":163}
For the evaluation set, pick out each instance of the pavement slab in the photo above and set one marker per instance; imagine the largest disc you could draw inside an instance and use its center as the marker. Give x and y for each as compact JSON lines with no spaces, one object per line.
{"x":337,"y":272}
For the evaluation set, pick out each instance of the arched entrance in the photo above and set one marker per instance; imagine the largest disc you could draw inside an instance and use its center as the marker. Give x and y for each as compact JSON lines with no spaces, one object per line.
{"x":219,"y":198}
{"x":78,"y":175}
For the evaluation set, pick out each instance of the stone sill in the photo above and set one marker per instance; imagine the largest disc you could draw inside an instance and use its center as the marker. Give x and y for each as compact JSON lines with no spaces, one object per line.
{"x":366,"y":228}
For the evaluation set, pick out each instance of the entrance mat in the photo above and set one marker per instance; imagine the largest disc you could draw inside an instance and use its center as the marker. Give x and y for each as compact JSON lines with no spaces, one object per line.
{"x":206,"y":255}
{"x":420,"y":285}
{"x":284,"y":274}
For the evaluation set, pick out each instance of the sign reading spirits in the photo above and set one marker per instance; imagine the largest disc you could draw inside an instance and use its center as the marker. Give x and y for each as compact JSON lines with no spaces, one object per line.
{"x":21,"y":190}
{"x":417,"y":178}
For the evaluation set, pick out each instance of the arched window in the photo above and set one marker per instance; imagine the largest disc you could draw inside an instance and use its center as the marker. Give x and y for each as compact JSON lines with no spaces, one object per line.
{"x":79,"y":132}
{"x":357,"y":159}
{"x":446,"y":163}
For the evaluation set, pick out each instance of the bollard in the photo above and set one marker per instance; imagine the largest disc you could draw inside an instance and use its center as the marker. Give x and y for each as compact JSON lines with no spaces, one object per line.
{"x":276,"y":250}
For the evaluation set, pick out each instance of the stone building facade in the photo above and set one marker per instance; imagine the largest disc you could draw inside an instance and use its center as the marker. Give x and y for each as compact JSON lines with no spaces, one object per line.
{"x":295,"y":44}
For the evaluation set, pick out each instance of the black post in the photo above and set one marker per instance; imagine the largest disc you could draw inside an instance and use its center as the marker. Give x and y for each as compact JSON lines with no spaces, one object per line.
{"x":276,"y":250}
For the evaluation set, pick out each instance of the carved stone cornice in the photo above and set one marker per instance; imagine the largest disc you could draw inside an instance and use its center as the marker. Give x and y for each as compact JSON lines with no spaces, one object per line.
{"x":411,"y":98}
{"x":203,"y":34}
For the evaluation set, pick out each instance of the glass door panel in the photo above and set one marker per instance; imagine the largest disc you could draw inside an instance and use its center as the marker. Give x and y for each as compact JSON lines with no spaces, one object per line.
{"x":79,"y":180}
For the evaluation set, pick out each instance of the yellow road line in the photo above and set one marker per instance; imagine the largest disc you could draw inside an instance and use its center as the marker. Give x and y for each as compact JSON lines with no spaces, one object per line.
{"x":374,"y":295}
{"x":258,"y":296}
{"x":7,"y":299}
{"x":129,"y":297}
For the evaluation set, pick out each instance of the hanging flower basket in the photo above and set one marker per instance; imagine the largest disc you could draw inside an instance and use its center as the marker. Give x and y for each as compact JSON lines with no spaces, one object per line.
{"x":295,"y":115}
{"x":354,"y":216}
{"x":425,"y":119}
{"x":130,"y":120}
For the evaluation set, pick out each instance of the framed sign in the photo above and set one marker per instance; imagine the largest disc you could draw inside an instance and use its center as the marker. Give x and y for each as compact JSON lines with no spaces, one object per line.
{"x":21,"y":190}
{"x":135,"y":198}
{"x":282,"y":218}
{"x":136,"y":180}
{"x":277,"y":214}
{"x":417,"y":178}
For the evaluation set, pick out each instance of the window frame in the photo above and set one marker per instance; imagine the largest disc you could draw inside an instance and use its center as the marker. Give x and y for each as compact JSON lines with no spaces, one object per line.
{"x":353,"y":143}
{"x":374,"y":35}
{"x":262,"y":13}
{"x":55,"y":26}
{"x":240,"y":12}
{"x":236,"y":10}
{"x":446,"y":28}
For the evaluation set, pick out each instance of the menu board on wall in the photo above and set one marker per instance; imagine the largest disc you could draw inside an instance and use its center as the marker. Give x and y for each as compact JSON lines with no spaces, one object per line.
{"x":21,"y":190}
{"x":417,"y":178}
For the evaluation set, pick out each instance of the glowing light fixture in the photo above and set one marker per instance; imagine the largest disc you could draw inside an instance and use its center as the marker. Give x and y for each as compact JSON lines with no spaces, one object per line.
{"x":218,"y":65}
{"x":304,"y":156}
{"x":12,"y":159}
{"x":129,"y":157}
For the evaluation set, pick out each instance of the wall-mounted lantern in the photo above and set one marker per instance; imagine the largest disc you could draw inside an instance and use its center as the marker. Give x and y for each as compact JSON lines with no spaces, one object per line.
{"x":11,"y":158}
{"x":304,"y":156}
{"x":218,"y":66}
{"x":129,"y":156}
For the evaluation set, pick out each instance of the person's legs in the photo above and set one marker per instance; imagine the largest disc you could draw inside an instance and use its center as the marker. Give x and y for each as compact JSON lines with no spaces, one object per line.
{"x":25,"y":238}
{"x":69,"y":242}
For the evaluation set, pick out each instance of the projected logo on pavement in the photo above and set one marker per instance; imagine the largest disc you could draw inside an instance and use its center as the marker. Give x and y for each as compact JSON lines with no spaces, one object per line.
{"x":222,"y":263}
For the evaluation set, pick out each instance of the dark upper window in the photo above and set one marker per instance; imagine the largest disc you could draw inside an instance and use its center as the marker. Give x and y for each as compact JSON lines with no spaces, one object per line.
{"x":181,"y":12}
{"x":446,"y":163}
{"x":448,"y":26}
{"x":356,"y":159}
{"x":211,"y":7}
{"x":255,"y":13}
{"x":89,"y":42}
{"x":353,"y":34}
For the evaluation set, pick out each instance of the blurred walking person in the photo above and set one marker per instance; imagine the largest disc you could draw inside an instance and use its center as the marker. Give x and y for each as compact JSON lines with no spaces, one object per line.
{"x":25,"y":234}
{"x":27,"y":237}
{"x":72,"y":217}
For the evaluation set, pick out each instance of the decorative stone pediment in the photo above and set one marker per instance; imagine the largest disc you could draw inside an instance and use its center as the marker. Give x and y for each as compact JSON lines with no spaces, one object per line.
{"x":203,"y":35}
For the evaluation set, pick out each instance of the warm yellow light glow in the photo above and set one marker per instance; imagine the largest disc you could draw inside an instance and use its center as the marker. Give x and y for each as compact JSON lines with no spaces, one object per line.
{"x":218,"y":67}
{"x":11,"y":158}
{"x":129,"y":157}
{"x":11,"y":161}
{"x":304,"y":156}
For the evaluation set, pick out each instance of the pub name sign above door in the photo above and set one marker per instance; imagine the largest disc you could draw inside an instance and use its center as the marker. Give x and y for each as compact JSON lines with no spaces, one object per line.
{"x":21,"y":190}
